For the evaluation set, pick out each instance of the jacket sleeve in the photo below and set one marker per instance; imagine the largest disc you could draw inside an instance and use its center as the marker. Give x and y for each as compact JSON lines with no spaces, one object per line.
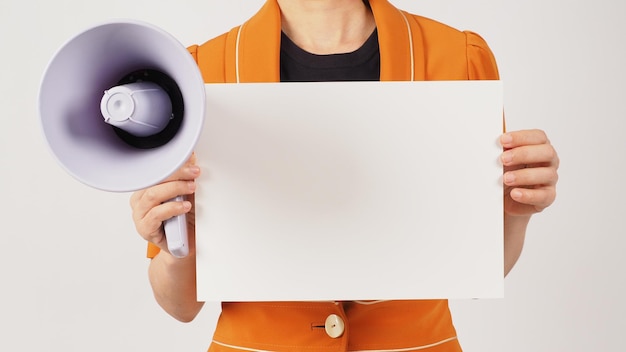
{"x":152,"y":250}
{"x":481,"y":63}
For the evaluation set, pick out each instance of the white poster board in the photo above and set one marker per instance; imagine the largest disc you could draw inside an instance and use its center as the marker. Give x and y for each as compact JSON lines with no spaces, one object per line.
{"x":350,"y":190}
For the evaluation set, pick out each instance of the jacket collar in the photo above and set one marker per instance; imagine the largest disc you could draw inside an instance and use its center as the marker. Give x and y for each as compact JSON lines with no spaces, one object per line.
{"x":258,"y":45}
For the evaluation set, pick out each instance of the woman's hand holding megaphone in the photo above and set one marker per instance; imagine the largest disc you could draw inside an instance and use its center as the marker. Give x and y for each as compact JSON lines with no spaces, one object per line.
{"x":151,"y":206}
{"x":173,"y":278}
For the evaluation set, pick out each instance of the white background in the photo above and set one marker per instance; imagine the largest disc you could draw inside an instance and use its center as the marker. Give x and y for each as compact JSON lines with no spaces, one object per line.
{"x":73,"y":271}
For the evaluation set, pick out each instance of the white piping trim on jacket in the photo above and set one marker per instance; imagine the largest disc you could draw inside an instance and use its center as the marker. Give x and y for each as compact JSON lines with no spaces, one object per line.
{"x":238,"y":347}
{"x":367,"y":303}
{"x":408,"y":349}
{"x":237,"y":52}
{"x":417,"y":348}
{"x":408,"y":27}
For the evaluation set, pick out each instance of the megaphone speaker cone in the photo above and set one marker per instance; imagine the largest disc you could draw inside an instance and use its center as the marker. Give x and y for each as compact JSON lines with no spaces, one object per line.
{"x":97,"y":60}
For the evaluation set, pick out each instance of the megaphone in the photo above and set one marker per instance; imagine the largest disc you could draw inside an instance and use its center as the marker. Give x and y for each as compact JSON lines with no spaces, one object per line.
{"x":121,"y":106}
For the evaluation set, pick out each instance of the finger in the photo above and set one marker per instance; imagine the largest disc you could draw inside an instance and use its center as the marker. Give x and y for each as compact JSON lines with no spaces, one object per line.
{"x":143,"y":201}
{"x":152,"y":206}
{"x":538,"y":198}
{"x":536,"y":176}
{"x":541,"y":154}
{"x":150,"y":227}
{"x":189,"y":171}
{"x":524,"y":137}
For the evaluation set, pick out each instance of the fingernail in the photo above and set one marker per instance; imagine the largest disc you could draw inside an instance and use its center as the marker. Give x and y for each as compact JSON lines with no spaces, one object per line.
{"x":506,"y":139}
{"x":516,"y":194}
{"x":507,"y":157}
{"x":509,"y":178}
{"x":191,"y":185}
{"x":186,"y":205}
{"x":194,"y":169}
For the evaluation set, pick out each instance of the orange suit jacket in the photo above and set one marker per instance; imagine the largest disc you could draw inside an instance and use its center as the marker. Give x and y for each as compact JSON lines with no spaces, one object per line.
{"x":411,"y":48}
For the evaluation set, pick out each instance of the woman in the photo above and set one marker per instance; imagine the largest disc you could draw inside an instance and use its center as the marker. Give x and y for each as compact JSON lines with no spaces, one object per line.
{"x":328,"y":40}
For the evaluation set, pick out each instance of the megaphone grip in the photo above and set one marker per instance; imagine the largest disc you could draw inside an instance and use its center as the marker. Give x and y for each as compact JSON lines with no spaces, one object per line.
{"x":176,"y":233}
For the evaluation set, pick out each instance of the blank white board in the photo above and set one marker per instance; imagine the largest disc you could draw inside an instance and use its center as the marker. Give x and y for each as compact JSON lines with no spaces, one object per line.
{"x":350,"y":190}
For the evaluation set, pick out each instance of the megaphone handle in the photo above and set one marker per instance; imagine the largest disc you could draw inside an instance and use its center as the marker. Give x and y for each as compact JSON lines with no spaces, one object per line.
{"x":176,"y":234}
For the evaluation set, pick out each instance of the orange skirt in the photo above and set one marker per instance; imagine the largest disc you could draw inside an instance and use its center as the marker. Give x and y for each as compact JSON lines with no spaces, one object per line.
{"x":336,"y":326}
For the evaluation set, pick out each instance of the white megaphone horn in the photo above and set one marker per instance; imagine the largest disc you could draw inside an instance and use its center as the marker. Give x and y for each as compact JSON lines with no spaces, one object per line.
{"x":121,"y":106}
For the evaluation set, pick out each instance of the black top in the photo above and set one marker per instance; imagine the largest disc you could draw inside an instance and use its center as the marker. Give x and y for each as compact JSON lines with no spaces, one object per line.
{"x":297,"y":65}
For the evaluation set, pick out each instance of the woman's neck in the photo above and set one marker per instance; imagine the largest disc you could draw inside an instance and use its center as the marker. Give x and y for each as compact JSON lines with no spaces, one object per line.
{"x":327,"y":26}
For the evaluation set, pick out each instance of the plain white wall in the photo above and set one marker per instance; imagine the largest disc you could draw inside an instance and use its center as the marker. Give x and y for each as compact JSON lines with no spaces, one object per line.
{"x":73,"y":270}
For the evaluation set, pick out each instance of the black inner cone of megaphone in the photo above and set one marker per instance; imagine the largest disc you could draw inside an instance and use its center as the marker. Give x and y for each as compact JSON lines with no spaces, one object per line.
{"x":178,"y":109}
